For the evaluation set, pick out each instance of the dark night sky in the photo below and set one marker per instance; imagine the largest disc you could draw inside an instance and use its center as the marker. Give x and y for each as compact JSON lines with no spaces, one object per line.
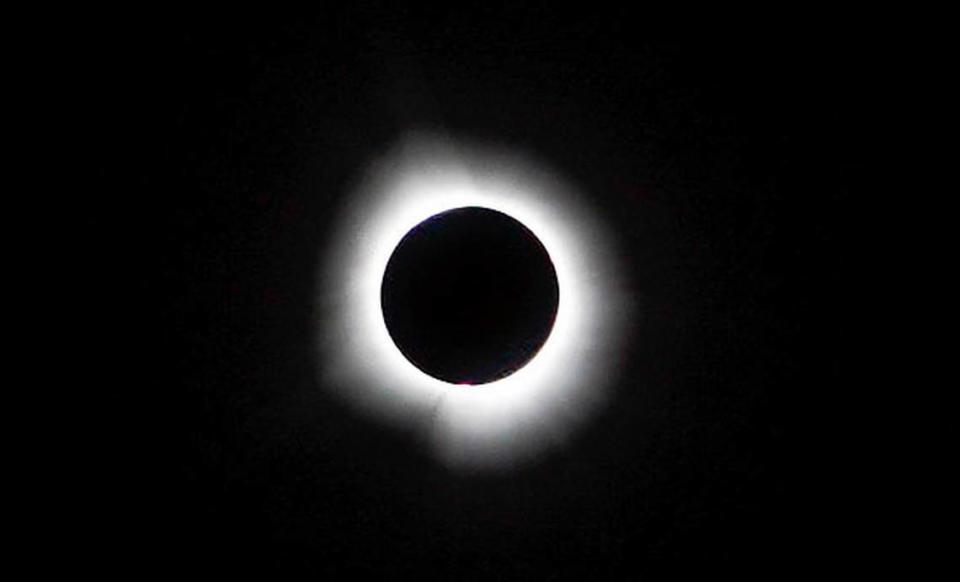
{"x":716,"y":163}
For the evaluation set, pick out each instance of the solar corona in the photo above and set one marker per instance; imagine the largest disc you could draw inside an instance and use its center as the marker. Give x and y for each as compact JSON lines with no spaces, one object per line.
{"x":438,"y":236}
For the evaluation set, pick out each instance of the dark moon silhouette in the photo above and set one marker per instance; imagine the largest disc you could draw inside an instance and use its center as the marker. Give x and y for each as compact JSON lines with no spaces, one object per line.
{"x":469,"y":295}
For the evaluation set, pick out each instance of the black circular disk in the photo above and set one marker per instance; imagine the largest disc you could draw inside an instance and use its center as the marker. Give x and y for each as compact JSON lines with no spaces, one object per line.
{"x":469,"y":295}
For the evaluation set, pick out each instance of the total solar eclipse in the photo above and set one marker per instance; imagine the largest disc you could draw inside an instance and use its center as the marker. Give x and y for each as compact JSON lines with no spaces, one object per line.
{"x":469,"y":295}
{"x":461,"y":262}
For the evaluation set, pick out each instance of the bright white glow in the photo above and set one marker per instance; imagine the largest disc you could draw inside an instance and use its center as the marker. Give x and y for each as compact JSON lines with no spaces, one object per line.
{"x":489,"y":425}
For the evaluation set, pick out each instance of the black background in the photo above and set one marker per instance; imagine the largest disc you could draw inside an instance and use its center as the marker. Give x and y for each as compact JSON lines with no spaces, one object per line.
{"x":715,"y":160}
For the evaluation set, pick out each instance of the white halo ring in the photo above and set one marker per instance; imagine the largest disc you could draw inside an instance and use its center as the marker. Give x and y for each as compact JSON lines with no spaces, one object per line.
{"x":538,"y":406}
